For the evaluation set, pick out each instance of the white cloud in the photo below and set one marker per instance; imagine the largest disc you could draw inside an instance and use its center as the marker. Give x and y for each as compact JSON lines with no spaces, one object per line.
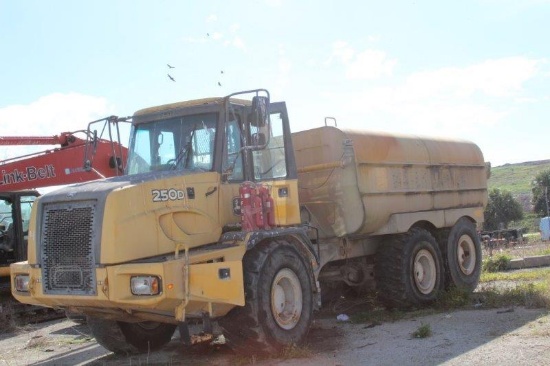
{"x":48,"y":116}
{"x":496,"y":78}
{"x":216,"y":36}
{"x":467,"y":102}
{"x":342,"y":52}
{"x":373,"y":38}
{"x":283,"y":78}
{"x":234,"y":27}
{"x":236,"y":42}
{"x":274,"y":3}
{"x":370,"y":64}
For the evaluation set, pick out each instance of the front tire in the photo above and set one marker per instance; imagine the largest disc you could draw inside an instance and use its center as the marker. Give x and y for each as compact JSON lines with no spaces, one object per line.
{"x":409,"y":269}
{"x":463,"y":255}
{"x":279,"y":301}
{"x":130,"y":338}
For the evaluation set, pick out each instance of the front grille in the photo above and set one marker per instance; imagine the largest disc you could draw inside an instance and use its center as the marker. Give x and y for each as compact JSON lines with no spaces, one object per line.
{"x":67,"y":248}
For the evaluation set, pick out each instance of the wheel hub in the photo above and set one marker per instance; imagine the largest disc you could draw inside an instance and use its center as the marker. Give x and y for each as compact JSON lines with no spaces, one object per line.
{"x":425,"y":274}
{"x":466,"y":254}
{"x":286,"y":299}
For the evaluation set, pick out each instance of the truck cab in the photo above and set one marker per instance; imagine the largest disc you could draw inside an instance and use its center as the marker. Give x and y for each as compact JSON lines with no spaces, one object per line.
{"x":171,"y":240}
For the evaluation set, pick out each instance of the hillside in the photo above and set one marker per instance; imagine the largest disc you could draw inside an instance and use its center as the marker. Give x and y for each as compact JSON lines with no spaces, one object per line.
{"x":516,"y":178}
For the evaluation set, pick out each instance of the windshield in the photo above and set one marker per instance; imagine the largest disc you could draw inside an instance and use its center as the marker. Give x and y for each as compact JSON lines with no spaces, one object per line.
{"x":179,"y":143}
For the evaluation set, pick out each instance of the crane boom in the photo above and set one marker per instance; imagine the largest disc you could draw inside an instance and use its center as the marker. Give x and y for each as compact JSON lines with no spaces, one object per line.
{"x":62,"y":139}
{"x":58,"y":166}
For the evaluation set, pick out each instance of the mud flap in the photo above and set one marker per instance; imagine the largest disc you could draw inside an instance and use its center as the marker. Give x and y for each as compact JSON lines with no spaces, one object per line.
{"x":219,"y":282}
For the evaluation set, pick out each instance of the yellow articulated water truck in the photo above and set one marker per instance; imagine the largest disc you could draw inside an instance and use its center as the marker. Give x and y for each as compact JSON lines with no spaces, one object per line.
{"x":224,"y":215}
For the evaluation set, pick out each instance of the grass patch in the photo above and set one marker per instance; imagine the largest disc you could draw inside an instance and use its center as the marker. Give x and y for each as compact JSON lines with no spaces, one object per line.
{"x":532,"y":275}
{"x":530,"y":295}
{"x":497,"y":263}
{"x":532,"y":237}
{"x":423,"y":331}
{"x":454,"y":298}
{"x":37,"y":342}
{"x":294,"y":351}
{"x":516,"y":178}
{"x":543,"y":252}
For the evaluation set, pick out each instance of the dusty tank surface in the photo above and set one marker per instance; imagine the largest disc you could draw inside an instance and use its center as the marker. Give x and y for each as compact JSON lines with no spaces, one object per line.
{"x":358,"y":182}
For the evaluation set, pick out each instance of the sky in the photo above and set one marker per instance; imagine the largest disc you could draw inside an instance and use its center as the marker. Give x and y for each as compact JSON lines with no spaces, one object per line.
{"x":474,"y":69}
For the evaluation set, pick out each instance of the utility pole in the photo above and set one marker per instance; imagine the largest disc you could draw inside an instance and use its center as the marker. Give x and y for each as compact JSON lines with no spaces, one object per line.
{"x":546,"y":197}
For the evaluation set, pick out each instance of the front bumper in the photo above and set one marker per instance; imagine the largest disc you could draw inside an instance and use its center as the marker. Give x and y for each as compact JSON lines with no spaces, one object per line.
{"x":187,"y":290}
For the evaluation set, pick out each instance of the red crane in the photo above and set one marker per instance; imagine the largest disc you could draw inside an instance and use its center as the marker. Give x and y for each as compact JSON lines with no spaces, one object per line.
{"x":61,"y":165}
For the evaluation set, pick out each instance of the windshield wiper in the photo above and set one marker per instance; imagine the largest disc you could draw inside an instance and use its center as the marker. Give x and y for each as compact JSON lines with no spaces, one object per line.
{"x":186,"y":152}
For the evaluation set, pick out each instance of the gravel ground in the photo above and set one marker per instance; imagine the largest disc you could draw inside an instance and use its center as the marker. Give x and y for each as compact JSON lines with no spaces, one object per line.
{"x":510,"y":336}
{"x":507,"y":336}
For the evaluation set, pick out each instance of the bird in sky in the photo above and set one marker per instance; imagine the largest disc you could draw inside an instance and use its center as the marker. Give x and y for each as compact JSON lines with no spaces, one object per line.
{"x":219,"y":84}
{"x":221,"y":72}
{"x":170,"y":66}
{"x":171,"y":78}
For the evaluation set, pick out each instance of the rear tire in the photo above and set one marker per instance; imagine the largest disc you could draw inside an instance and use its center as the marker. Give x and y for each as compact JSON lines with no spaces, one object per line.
{"x":409,"y":269}
{"x":130,"y":338}
{"x":279,"y":301}
{"x":464,"y":255}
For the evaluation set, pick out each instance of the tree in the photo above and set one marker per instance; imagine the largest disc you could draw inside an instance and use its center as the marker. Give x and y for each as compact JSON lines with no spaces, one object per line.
{"x":540,"y":188}
{"x":501,"y":208}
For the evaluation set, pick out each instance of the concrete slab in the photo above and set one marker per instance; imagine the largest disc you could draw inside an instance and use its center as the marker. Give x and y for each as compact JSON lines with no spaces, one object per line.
{"x":530,"y":262}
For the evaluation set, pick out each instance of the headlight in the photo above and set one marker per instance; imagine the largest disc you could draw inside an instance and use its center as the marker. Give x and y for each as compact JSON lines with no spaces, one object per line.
{"x":22,"y":282}
{"x":145,"y":285}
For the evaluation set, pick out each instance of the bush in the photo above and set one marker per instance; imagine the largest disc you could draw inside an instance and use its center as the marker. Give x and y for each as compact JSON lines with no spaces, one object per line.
{"x":424,"y":331}
{"x":497,"y":263}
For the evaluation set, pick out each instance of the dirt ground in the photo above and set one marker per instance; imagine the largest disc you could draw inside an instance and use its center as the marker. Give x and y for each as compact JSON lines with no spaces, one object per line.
{"x":515,"y":336}
{"x":506,"y":336}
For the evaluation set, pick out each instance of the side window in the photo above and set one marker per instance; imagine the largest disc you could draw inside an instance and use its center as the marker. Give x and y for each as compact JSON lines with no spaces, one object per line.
{"x":233,"y":157}
{"x":141,"y":160}
{"x":270,"y":163}
{"x":6,"y":226}
{"x":26,"y":207}
{"x":203,"y":147}
{"x":6,"y":214}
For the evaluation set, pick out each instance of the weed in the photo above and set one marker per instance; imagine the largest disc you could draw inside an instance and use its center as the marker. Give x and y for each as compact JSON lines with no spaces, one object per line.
{"x":294,"y":351}
{"x":530,"y":295}
{"x":543,"y":252}
{"x":497,"y":263}
{"x":532,"y":275}
{"x":37,"y":342}
{"x":455,"y":297}
{"x":423,"y":331}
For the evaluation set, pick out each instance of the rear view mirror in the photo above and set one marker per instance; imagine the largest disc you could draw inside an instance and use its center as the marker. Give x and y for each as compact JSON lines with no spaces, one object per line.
{"x":258,"y":115}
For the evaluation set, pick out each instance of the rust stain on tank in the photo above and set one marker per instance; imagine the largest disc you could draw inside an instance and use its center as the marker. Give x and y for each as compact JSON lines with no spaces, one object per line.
{"x":368,"y":176}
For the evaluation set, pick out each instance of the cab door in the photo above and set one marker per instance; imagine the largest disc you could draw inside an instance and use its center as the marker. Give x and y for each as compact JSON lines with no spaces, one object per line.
{"x":275,"y":166}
